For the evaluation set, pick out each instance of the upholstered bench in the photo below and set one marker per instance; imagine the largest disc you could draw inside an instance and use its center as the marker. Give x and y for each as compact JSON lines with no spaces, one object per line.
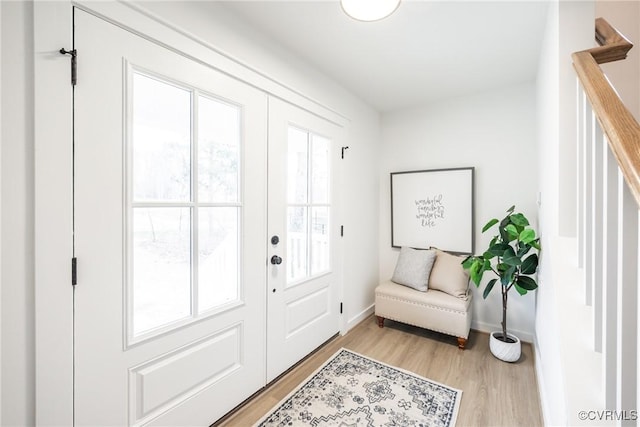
{"x":445,"y":308}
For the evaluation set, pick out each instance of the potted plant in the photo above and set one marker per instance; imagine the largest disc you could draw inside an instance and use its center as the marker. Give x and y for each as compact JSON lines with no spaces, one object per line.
{"x":510,"y":257}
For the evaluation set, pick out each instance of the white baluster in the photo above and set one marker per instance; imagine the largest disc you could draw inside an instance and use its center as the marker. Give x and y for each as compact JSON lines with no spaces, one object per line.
{"x":627,"y":324}
{"x":588,"y":192}
{"x":597,"y":248}
{"x":610,"y":276}
{"x":581,"y":104}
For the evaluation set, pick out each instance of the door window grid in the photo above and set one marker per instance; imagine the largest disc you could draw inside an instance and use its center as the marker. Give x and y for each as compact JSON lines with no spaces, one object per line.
{"x":308,"y":207}
{"x":161,"y":302}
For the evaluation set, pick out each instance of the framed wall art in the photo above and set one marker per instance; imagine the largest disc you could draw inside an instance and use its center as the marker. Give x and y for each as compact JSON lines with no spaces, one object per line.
{"x":433,"y":208}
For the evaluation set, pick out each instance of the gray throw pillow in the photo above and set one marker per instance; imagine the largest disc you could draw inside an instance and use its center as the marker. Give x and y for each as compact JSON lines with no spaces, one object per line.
{"x":413,"y":268}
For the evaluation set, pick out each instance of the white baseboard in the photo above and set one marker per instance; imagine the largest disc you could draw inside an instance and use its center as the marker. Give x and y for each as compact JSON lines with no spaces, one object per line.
{"x":489,"y":327}
{"x":359,"y":318}
{"x":537,"y":364}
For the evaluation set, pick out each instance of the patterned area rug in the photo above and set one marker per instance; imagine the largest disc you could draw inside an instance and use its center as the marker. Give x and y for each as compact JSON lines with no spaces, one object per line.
{"x":353,"y":390}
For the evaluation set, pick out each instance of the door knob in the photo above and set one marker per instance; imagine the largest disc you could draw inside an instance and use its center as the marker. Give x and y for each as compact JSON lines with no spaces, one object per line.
{"x":276,"y":260}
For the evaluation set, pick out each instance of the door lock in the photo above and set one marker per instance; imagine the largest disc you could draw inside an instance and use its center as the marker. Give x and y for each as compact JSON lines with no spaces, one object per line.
{"x":276,"y":260}
{"x":275,"y":240}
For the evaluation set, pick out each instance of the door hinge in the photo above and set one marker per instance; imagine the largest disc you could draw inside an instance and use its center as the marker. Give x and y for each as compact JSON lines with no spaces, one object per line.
{"x":343,"y":149}
{"x":340,"y":308}
{"x":342,"y":231}
{"x":74,"y":64}
{"x":74,"y":271}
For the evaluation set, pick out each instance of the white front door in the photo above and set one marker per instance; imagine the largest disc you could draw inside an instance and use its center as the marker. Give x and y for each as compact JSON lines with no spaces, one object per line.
{"x":304,"y":248}
{"x":170,"y":222}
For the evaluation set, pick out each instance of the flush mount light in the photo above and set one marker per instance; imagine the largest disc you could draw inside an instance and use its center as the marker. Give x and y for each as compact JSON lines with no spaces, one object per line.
{"x":369,"y":10}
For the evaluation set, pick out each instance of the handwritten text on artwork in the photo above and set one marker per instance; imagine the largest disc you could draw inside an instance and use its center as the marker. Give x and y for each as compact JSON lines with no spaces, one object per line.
{"x":430,"y":210}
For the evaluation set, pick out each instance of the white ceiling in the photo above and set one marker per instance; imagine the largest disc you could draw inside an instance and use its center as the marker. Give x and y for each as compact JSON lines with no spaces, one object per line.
{"x":427,"y":50}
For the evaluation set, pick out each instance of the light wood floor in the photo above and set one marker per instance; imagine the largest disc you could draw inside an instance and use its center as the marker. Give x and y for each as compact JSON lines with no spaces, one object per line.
{"x":495,"y":393}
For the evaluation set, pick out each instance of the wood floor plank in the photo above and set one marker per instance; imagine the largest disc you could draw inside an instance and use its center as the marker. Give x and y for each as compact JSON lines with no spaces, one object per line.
{"x":495,"y":393}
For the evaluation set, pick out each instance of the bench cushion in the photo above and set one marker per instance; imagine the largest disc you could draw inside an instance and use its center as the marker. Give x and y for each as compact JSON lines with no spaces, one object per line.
{"x":432,"y":309}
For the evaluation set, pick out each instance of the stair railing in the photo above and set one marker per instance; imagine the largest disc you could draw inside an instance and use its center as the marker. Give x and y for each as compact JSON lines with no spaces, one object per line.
{"x":608,"y":202}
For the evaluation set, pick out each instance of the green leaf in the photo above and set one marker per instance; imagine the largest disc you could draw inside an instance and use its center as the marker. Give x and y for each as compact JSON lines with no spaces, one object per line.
{"x":502,"y":228}
{"x":507,"y":276}
{"x":490,"y":224}
{"x":535,"y":244}
{"x":487,"y":290}
{"x":488,"y":255}
{"x":523,"y":249}
{"x":512,"y":230}
{"x":504,"y":222}
{"x":527,"y":236}
{"x":476,"y":271}
{"x":519,"y":229}
{"x":512,"y":261}
{"x":530,"y":264}
{"x":508,"y":252}
{"x":467,"y":262}
{"x":520,"y":290}
{"x":498,"y":249}
{"x":519,"y":219}
{"x":526,"y":283}
{"x":511,"y":209}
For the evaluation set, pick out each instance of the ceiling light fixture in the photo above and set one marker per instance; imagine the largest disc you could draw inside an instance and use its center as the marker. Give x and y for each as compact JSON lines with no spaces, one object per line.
{"x":369,"y":10}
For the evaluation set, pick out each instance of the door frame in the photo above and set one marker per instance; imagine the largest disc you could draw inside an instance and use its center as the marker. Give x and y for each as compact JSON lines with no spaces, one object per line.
{"x":54,"y":178}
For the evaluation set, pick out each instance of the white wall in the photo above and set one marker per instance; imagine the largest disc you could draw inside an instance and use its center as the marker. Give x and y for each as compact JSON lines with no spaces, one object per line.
{"x":215,"y":24}
{"x":574,"y":36}
{"x":496,"y":133}
{"x":570,"y":28}
{"x":568,"y":172}
{"x":17,"y":297}
{"x":547,"y":345}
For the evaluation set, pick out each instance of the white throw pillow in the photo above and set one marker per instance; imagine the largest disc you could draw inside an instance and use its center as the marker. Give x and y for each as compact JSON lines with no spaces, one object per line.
{"x":413,"y":268}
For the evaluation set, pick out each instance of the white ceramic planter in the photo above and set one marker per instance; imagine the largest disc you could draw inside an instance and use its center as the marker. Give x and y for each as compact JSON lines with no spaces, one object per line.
{"x":508,"y":352}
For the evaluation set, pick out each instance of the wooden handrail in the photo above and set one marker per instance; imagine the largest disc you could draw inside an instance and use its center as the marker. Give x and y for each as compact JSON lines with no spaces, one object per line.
{"x":618,"y":124}
{"x":613,"y":45}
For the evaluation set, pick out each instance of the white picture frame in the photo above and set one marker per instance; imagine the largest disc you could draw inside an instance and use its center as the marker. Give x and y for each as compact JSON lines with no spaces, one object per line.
{"x":433,"y":208}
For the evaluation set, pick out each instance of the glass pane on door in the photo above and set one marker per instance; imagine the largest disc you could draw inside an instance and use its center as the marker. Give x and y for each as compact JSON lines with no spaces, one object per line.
{"x":218,"y":256}
{"x":161,"y":141}
{"x":218,"y":151}
{"x":320,"y":169}
{"x":161,"y":267}
{"x":319,"y":240}
{"x":297,"y":166}
{"x":297,"y":246}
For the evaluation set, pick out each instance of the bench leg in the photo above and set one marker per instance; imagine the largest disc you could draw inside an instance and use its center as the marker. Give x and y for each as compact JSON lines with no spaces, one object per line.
{"x":380,"y":322}
{"x":461,"y":343}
